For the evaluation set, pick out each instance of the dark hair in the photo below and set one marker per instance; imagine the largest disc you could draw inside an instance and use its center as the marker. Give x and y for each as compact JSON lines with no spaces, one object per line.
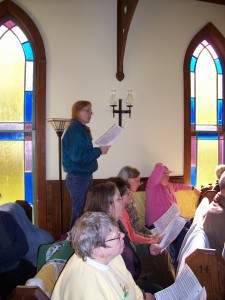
{"x":90,"y":231}
{"x":100,"y":197}
{"x":121,"y":184}
{"x":128,"y":172}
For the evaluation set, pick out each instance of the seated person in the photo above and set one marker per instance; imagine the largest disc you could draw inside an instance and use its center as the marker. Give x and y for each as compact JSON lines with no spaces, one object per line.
{"x":34,"y":235}
{"x":218,"y":172}
{"x":106,"y":198}
{"x":96,"y":270}
{"x":214,"y":221}
{"x":160,"y":195}
{"x":132,"y":178}
{"x":14,"y":269}
{"x":135,"y":236}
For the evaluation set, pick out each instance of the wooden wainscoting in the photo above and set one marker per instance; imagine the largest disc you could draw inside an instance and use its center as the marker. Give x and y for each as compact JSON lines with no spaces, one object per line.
{"x":53,"y":206}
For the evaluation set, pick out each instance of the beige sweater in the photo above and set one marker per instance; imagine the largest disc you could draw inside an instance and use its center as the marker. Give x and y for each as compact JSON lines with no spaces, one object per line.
{"x":214,"y":223}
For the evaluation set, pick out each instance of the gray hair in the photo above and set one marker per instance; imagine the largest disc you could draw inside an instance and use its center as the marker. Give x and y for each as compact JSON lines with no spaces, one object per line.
{"x":222,"y":181}
{"x":90,"y":231}
{"x":219,"y":170}
{"x":128,"y":172}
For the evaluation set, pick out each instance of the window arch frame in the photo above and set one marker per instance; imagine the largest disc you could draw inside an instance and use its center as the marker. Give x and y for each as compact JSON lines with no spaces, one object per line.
{"x":9,"y":9}
{"x":217,"y":40}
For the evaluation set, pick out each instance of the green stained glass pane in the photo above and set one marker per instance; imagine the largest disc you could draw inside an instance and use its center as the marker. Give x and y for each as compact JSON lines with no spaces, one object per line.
{"x":11,"y":79}
{"x":206,"y":90}
{"x":12,"y":171}
{"x":207,"y":154}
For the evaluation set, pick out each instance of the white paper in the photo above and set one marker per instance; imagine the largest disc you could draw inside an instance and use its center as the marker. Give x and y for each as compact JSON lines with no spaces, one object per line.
{"x":162,"y":223}
{"x":109,"y":137}
{"x":186,"y":287}
{"x":172,"y":231}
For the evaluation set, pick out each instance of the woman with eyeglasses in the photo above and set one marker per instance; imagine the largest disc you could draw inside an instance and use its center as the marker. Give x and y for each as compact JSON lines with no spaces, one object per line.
{"x":96,"y":271}
{"x":79,"y":157}
{"x":132,"y":177}
{"x":105,"y":197}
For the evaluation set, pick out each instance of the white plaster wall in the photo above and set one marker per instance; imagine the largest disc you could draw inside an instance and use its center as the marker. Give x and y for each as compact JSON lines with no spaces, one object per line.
{"x":80,"y":42}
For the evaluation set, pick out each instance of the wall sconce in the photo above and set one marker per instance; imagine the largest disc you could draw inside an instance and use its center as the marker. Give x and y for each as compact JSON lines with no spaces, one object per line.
{"x":120,"y":111}
{"x":59,"y":126}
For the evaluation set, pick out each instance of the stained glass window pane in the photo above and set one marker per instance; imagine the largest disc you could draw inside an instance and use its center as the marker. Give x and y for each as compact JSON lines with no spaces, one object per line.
{"x":16,"y":114}
{"x":19,"y":33}
{"x":220,"y":87}
{"x":206,"y":90}
{"x":11,"y":79}
{"x":12,"y":171}
{"x":206,"y":105}
{"x":207,"y":160}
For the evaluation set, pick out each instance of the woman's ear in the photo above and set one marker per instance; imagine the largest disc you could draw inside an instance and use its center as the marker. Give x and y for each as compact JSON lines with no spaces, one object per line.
{"x":98,"y":252}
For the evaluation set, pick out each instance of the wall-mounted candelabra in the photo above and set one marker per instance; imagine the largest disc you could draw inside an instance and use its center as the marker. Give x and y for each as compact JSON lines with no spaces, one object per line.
{"x":120,"y":110}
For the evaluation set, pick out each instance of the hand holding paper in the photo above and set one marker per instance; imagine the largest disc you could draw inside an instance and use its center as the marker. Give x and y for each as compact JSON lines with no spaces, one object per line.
{"x":109,"y":137}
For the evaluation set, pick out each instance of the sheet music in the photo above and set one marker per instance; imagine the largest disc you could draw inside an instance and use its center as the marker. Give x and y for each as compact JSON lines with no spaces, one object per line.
{"x":162,"y":223}
{"x":109,"y":137}
{"x":172,"y":231}
{"x":186,"y":287}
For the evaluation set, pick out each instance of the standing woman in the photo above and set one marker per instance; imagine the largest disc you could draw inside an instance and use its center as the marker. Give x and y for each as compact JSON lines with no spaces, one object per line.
{"x":79,"y":157}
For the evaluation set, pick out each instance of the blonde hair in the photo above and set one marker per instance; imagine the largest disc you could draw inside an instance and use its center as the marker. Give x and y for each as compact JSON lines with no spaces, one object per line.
{"x":219,"y":170}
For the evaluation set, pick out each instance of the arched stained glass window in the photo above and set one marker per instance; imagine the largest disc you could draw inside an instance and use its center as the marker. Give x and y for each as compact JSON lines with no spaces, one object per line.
{"x":16,"y":114}
{"x":204,"y":106}
{"x":207,"y":139}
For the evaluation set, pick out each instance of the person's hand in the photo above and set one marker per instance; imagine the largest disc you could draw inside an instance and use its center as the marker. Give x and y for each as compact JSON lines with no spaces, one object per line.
{"x":105,"y":149}
{"x":149,"y":296}
{"x":154,"y":239}
{"x":155,"y":249}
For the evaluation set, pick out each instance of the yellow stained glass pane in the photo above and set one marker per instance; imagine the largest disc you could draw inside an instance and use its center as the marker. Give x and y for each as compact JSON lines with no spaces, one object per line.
{"x":11,"y":79}
{"x":207,"y":154}
{"x":12,"y":171}
{"x":206,"y":90}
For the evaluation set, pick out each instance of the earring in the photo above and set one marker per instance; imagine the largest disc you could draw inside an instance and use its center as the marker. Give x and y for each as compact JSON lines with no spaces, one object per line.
{"x":102,"y":256}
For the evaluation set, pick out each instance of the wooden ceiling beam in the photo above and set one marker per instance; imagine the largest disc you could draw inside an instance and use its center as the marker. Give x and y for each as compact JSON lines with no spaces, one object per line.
{"x":125,"y":12}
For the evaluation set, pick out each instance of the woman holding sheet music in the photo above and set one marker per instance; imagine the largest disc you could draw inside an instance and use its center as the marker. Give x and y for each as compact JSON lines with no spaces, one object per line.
{"x":79,"y":157}
{"x":160,"y":195}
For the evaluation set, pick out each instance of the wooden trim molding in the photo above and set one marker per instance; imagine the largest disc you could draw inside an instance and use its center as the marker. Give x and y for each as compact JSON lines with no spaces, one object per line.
{"x":125,"y":12}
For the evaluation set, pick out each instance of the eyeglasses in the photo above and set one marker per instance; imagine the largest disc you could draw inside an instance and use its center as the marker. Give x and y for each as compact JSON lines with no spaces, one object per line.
{"x":88,"y":111}
{"x":117,"y":238}
{"x":120,"y":199}
{"x":127,"y":193}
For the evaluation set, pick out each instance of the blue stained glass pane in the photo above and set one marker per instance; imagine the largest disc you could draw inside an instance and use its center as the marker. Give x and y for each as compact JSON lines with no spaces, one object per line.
{"x":193,"y":119}
{"x":193,"y":175}
{"x":207,"y":136}
{"x":28,"y":188}
{"x":12,"y":136}
{"x":218,"y":66}
{"x":28,"y":51}
{"x":193,"y":63}
{"x":220,"y":112}
{"x":28,"y":106}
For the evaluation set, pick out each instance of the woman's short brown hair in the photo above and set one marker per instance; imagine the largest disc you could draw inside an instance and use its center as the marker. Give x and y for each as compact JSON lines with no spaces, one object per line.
{"x":100,"y":197}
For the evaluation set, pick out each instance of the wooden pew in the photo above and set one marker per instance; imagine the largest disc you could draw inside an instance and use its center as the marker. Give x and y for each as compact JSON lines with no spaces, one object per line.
{"x":209,"y":267}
